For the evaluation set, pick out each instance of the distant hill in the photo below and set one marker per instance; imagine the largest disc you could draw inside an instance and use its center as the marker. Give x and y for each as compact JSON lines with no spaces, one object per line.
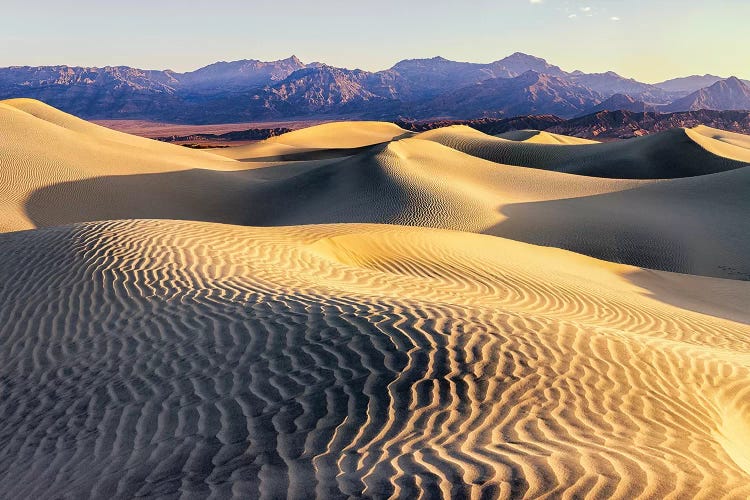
{"x":622,"y":102}
{"x":253,"y":90}
{"x":689,"y":84}
{"x":321,"y":90}
{"x":610,"y":83}
{"x":112,"y":91}
{"x":238,"y":75}
{"x":625,"y":124}
{"x":424,"y":78}
{"x":729,"y":94}
{"x":519,"y":63}
{"x":529,"y":93}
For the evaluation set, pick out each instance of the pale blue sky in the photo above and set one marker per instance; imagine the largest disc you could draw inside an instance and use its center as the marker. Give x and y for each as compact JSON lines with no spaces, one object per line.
{"x":650,"y":40}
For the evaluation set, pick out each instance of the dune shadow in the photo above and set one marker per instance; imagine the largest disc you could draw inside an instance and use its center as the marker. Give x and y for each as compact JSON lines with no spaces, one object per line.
{"x":326,"y":153}
{"x":691,"y":226}
{"x":183,"y":195}
{"x":315,"y":193}
{"x":722,"y":298}
{"x":572,"y":224}
{"x":317,"y":154}
{"x":669,"y":154}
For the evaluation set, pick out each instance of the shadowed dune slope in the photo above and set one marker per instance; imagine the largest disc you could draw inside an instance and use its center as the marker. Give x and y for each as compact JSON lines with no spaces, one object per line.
{"x":664,"y":155}
{"x":542,"y":137}
{"x":158,"y":358}
{"x":695,"y":225}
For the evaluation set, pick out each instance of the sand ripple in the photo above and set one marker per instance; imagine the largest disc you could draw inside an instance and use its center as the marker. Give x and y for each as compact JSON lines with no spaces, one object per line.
{"x":161,"y":358}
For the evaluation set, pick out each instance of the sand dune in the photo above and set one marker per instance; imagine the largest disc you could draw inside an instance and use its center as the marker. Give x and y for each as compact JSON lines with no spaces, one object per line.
{"x":80,"y":172}
{"x":337,"y":358}
{"x":145,"y":358}
{"x":720,"y":142}
{"x":42,"y":147}
{"x":664,"y":155}
{"x":341,"y":137}
{"x":542,"y":137}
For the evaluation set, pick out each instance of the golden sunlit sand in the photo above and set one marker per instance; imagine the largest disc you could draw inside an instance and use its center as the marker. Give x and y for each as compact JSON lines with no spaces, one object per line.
{"x":339,"y":136}
{"x":352,"y":310}
{"x":542,"y":137}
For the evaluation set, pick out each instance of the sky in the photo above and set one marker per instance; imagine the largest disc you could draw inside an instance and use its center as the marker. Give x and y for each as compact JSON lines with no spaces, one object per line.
{"x":650,"y":40}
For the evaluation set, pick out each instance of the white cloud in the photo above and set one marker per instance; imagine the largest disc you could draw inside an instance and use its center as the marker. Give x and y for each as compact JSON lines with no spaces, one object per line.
{"x":614,"y":18}
{"x":536,"y":1}
{"x":572,"y":16}
{"x":585,"y":9}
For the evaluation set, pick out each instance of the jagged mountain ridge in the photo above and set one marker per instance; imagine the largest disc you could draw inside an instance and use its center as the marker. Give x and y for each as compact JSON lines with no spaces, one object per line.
{"x":529,"y":93}
{"x":622,"y":102}
{"x":689,"y":84}
{"x":729,"y":94}
{"x":120,"y":90}
{"x":238,"y":75}
{"x":252,"y":90}
{"x":610,"y":83}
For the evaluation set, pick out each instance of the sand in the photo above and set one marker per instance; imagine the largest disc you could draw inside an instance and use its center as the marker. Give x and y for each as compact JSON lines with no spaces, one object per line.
{"x":335,"y":325}
{"x":542,"y":137}
{"x":669,"y":154}
{"x":77,"y":172}
{"x":356,"y":360}
{"x":41,"y":147}
{"x":341,"y":138}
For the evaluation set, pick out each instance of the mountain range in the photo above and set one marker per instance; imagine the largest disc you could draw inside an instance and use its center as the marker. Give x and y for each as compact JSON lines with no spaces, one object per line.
{"x":437,"y":88}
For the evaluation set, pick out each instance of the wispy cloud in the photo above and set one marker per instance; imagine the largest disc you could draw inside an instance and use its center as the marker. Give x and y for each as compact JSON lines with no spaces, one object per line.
{"x":614,"y":18}
{"x":536,"y":1}
{"x":572,"y":16}
{"x":585,"y":9}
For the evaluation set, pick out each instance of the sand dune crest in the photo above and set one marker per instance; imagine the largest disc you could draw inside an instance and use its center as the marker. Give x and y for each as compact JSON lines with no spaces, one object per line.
{"x":542,"y":137}
{"x":302,"y":144}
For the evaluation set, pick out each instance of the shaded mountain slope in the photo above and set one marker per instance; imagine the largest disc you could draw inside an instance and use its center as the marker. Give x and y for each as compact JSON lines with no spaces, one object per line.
{"x":530,"y":93}
{"x":729,"y":94}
